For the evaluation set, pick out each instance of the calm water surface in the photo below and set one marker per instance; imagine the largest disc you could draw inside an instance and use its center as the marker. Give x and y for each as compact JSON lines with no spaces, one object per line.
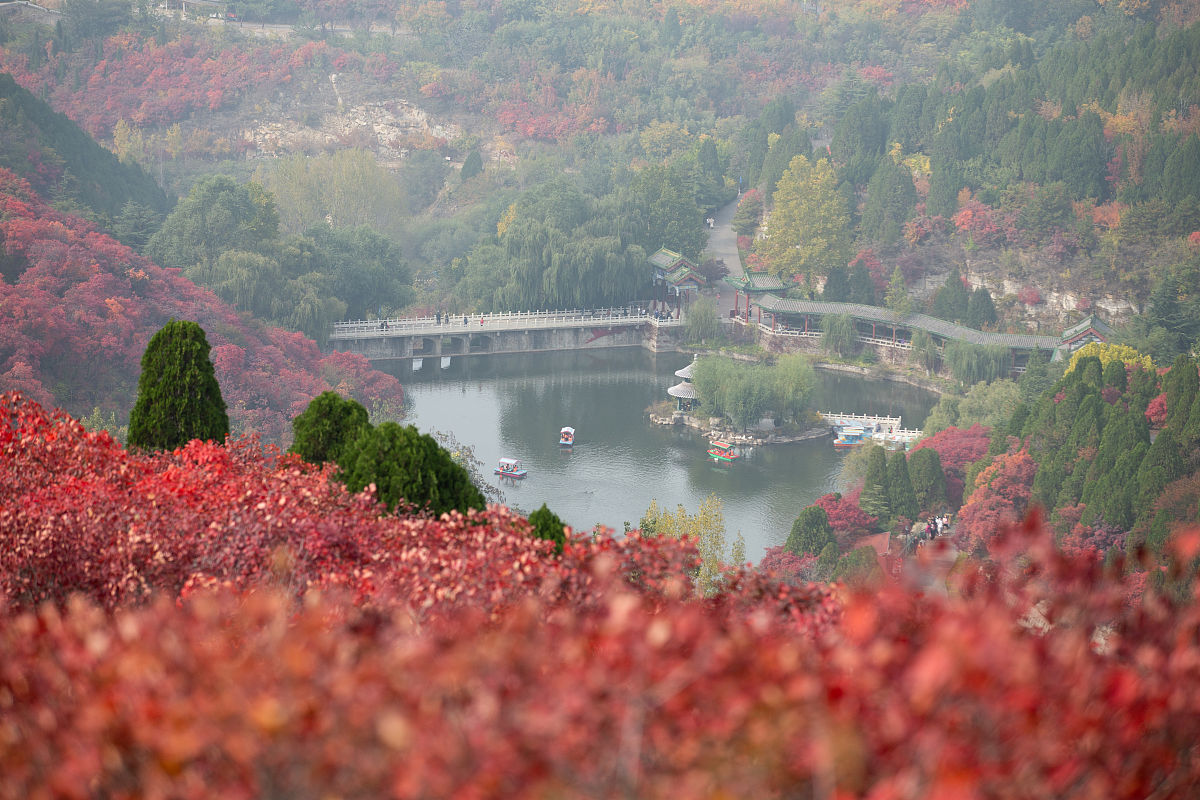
{"x":514,"y":405}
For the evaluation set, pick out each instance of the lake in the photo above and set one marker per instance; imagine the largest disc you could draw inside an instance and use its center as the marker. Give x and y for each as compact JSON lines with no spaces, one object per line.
{"x":514,"y":405}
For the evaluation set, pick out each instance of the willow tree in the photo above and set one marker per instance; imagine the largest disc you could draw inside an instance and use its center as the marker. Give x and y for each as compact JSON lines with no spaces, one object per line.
{"x":837,"y":333}
{"x":179,"y":398}
{"x":809,"y":226}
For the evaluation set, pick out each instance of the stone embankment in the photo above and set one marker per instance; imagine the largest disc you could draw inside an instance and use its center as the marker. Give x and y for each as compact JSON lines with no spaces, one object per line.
{"x":713,"y":429}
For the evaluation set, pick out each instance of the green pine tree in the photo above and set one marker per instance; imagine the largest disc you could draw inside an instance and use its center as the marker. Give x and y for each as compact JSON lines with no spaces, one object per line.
{"x":407,"y":466}
{"x":326,"y":426}
{"x":179,"y":398}
{"x":928,"y":479}
{"x":810,"y":532}
{"x":900,"y":489}
{"x":876,"y":494}
{"x":547,"y":525}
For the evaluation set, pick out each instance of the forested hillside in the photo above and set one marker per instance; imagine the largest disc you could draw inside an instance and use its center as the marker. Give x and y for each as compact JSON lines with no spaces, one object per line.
{"x":78,"y":308}
{"x":1047,"y":151}
{"x":65,"y":165}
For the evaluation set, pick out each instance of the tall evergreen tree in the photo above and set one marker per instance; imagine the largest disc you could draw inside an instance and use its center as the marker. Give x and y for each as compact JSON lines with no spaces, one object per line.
{"x":547,"y":525}
{"x":837,"y":286}
{"x":862,"y":288}
{"x":952,"y":299}
{"x":981,"y":311}
{"x":1181,"y":385}
{"x":876,"y":497}
{"x":891,"y":198}
{"x":927,"y":479}
{"x":179,"y":398}
{"x":900,"y":489}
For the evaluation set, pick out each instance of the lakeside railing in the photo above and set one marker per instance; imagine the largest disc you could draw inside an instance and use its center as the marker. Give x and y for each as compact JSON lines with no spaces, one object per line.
{"x":451,"y":324}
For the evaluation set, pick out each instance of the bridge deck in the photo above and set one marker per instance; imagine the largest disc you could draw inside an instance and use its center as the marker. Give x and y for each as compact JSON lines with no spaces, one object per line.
{"x":514,"y":321}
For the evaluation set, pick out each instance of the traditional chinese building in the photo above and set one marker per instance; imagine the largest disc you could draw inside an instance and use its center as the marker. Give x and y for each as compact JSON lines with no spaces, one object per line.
{"x":685,"y":392}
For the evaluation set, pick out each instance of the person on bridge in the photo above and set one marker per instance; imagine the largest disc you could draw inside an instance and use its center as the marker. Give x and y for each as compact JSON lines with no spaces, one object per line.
{"x":464,"y":319}
{"x":481,"y":320}
{"x":438,"y":316}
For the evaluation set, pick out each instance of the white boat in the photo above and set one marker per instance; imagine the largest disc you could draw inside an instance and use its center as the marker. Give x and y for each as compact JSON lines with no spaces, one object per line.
{"x":566,"y":437}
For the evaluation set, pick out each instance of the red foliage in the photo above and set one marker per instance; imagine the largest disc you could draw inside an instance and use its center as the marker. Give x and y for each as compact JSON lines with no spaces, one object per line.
{"x":879,"y":273}
{"x":845,"y":516}
{"x":81,"y":313}
{"x":459,"y":658}
{"x":149,"y":84}
{"x":1194,"y":240}
{"x":1156,"y":411}
{"x":1030,"y":296}
{"x":786,"y":565}
{"x":1000,"y":498}
{"x":957,"y":449}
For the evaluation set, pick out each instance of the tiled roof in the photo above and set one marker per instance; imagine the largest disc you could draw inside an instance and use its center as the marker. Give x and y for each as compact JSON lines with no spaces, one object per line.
{"x":939,"y":327}
{"x":757,"y":282}
{"x":684,"y":390}
{"x":1090,"y":321}
{"x":666,"y":259}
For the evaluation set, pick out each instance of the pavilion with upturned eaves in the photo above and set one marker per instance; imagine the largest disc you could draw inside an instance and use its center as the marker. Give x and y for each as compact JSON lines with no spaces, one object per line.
{"x":751,"y":285}
{"x":675,"y":273}
{"x":685,"y":392}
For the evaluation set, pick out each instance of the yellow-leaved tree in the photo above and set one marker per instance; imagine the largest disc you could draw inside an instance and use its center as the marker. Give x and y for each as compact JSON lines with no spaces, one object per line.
{"x":809,"y":227}
{"x":707,"y":528}
{"x":1111,"y":352}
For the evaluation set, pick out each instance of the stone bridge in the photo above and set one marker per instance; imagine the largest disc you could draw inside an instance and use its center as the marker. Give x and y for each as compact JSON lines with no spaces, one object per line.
{"x":518,"y":332}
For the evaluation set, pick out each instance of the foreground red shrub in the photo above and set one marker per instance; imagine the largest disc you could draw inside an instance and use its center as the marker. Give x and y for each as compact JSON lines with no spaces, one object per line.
{"x":229,"y":623}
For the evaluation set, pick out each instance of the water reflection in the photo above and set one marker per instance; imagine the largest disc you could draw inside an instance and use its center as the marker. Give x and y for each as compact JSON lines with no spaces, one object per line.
{"x":515,"y":405}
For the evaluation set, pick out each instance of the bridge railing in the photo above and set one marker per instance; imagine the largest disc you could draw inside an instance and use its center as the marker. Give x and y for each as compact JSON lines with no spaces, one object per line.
{"x":508,"y":320}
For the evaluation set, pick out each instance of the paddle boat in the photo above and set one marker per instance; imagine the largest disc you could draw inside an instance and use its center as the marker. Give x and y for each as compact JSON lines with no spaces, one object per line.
{"x":722,"y":452}
{"x":850,"y":436}
{"x":566,"y":437}
{"x":511,"y":468}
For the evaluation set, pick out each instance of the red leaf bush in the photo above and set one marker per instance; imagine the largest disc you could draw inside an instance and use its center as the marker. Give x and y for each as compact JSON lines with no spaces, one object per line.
{"x":227,"y":622}
{"x":79,"y":316}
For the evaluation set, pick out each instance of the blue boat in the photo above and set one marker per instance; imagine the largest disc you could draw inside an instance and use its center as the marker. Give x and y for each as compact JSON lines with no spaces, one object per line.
{"x":511,"y":468}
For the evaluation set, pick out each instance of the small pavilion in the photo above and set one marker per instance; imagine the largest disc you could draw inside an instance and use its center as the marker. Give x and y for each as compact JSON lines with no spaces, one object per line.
{"x":752,"y":285}
{"x":674,"y":276}
{"x":685,"y":392}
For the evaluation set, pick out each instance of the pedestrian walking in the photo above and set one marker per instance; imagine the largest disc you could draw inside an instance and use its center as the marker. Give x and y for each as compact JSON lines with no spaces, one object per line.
{"x":438,"y":316}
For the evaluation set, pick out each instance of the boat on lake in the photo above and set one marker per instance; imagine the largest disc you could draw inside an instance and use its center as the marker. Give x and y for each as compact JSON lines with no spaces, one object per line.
{"x":723,"y":452}
{"x":850,"y":436}
{"x":566,"y":437}
{"x":511,"y":468}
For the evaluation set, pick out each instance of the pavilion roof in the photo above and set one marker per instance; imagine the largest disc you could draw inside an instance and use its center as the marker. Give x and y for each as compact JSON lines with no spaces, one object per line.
{"x":685,"y":391}
{"x":1090,"y":321}
{"x":686,"y":372}
{"x":756,"y":282}
{"x":938,"y":327}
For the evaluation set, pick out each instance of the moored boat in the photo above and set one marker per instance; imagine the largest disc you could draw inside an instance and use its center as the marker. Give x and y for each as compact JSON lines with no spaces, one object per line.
{"x":849,"y":436}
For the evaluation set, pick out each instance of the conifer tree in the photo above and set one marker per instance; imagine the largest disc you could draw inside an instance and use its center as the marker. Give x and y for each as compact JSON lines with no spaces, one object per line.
{"x":876,"y":494}
{"x":1163,"y":463}
{"x":810,"y":532}
{"x":837,"y":286}
{"x":472,"y":166}
{"x":407,"y":466}
{"x":898,"y":299}
{"x":326,"y":426}
{"x":927,"y":478}
{"x":827,"y":561}
{"x":900,"y":489}
{"x":179,"y":398}
{"x":951,"y":300}
{"x":1181,"y":385}
{"x":547,"y":525}
{"x":981,"y":311}
{"x":862,"y":288}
